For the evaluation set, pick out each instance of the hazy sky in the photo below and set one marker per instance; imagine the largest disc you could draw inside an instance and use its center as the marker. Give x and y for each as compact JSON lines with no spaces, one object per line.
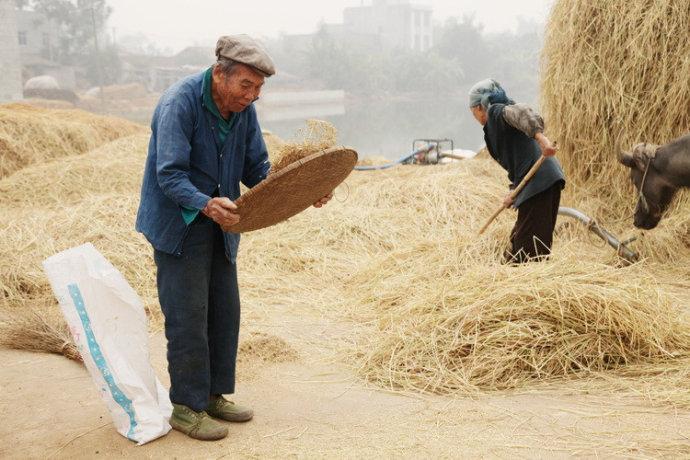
{"x":178,"y":23}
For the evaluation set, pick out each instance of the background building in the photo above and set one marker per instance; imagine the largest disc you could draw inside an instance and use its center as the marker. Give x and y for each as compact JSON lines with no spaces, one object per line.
{"x":37,"y":36}
{"x":11,"y":75}
{"x":399,"y":24}
{"x":38,"y":40}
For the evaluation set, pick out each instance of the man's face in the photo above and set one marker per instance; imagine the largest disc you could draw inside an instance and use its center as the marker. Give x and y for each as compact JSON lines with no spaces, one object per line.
{"x":238,"y":90}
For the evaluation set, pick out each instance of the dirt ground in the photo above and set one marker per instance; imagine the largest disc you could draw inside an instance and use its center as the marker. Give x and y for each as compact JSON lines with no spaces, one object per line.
{"x":315,"y":407}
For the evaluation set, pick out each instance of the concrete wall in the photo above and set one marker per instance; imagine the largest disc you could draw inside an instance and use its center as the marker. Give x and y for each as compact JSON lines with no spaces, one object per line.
{"x":399,"y":24}
{"x":11,"y":73}
{"x":39,"y":36}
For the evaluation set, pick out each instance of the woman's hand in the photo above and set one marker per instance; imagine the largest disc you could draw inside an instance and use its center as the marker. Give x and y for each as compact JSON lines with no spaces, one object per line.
{"x":547,"y":148}
{"x":508,"y":200}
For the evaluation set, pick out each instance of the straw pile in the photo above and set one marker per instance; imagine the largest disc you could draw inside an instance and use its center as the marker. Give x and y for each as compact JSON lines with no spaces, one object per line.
{"x":445,"y":315}
{"x":267,"y":348}
{"x":428,"y":305}
{"x":500,"y":327}
{"x":34,"y":330}
{"x":441,"y":313}
{"x":113,"y":168}
{"x":258,"y":350}
{"x":30,"y":134}
{"x":66,"y":202}
{"x":48,"y":103}
{"x":615,"y":73}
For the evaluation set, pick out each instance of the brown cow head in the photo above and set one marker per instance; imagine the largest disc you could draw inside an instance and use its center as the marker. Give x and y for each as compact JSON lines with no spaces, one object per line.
{"x":656,"y":193}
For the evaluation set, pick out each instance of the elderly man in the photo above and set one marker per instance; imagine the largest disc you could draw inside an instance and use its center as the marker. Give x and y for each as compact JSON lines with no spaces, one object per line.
{"x":205,"y":139}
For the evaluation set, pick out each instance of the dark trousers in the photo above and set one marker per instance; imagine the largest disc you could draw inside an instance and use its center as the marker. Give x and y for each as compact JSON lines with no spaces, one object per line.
{"x":200,"y":300}
{"x":532,"y":235}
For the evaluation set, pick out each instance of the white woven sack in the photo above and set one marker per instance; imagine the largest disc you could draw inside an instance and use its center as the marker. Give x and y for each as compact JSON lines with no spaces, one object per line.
{"x":109,"y":327}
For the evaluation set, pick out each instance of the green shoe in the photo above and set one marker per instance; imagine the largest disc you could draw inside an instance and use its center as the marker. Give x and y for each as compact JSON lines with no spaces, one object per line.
{"x":221,"y":408}
{"x":197,"y":425}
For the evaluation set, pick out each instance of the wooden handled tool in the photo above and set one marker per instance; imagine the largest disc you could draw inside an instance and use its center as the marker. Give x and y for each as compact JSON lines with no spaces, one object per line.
{"x":533,"y":170}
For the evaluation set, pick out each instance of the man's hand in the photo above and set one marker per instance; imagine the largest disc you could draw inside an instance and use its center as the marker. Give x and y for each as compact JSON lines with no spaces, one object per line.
{"x":323,"y":200}
{"x":547,"y":148}
{"x":222,"y":211}
{"x":508,"y":200}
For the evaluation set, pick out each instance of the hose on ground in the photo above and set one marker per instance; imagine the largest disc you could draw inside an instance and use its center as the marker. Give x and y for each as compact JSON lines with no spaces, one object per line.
{"x":401,"y":160}
{"x":621,"y":248}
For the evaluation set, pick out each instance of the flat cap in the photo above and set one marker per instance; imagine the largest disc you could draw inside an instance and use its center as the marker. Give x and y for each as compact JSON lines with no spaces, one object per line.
{"x":244,"y":49}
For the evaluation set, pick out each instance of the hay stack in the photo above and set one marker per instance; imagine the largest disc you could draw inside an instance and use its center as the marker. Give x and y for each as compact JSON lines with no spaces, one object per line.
{"x":92,"y":197}
{"x":114,"y":167}
{"x":42,"y":82}
{"x":615,"y":73}
{"x":31,"y":134}
{"x":48,"y":103}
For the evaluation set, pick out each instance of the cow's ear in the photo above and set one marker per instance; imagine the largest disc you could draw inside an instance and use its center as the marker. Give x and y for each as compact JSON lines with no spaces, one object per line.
{"x":626,"y":159}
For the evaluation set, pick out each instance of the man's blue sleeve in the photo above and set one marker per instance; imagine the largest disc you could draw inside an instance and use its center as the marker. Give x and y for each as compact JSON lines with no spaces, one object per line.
{"x":256,"y":163}
{"x":174,"y":130}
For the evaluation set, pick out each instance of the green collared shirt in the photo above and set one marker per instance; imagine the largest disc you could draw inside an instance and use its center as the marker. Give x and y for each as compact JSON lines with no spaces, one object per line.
{"x":224,"y":127}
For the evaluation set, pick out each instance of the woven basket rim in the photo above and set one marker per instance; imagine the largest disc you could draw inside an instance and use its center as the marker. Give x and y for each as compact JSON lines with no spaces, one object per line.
{"x":285,"y":193}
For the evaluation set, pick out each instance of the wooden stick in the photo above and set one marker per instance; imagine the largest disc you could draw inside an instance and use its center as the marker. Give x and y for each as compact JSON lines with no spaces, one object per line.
{"x":533,"y":170}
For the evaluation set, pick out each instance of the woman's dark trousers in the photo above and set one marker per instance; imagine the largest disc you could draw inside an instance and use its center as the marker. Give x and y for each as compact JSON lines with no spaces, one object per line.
{"x":532,"y":235}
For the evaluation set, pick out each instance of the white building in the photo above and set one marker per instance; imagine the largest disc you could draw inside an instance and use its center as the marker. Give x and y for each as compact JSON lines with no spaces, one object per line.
{"x":398,"y":23}
{"x":11,"y":75}
{"x":37,"y":35}
{"x":38,"y":40}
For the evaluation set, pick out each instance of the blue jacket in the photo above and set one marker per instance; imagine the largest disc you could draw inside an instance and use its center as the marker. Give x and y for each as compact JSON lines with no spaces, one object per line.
{"x":186,"y":164}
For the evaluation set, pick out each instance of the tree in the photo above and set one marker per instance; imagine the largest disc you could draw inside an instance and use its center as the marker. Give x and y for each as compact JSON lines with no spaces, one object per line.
{"x":412,"y":71}
{"x":346,"y":67}
{"x":463,"y":42}
{"x":104,"y":67}
{"x":516,"y":62}
{"x":81,"y":25}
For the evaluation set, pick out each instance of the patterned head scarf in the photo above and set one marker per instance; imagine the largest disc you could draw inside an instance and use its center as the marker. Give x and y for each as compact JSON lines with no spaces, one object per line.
{"x":487,"y":92}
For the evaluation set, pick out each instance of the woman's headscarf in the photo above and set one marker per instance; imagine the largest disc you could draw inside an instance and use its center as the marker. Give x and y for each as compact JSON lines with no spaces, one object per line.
{"x":487,"y":92}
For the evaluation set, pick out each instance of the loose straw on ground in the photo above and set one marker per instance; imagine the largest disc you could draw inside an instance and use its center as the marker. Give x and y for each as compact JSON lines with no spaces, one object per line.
{"x":430,"y":307}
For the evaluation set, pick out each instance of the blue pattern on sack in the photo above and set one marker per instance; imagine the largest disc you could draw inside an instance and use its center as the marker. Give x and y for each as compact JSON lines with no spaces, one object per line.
{"x":98,"y":358}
